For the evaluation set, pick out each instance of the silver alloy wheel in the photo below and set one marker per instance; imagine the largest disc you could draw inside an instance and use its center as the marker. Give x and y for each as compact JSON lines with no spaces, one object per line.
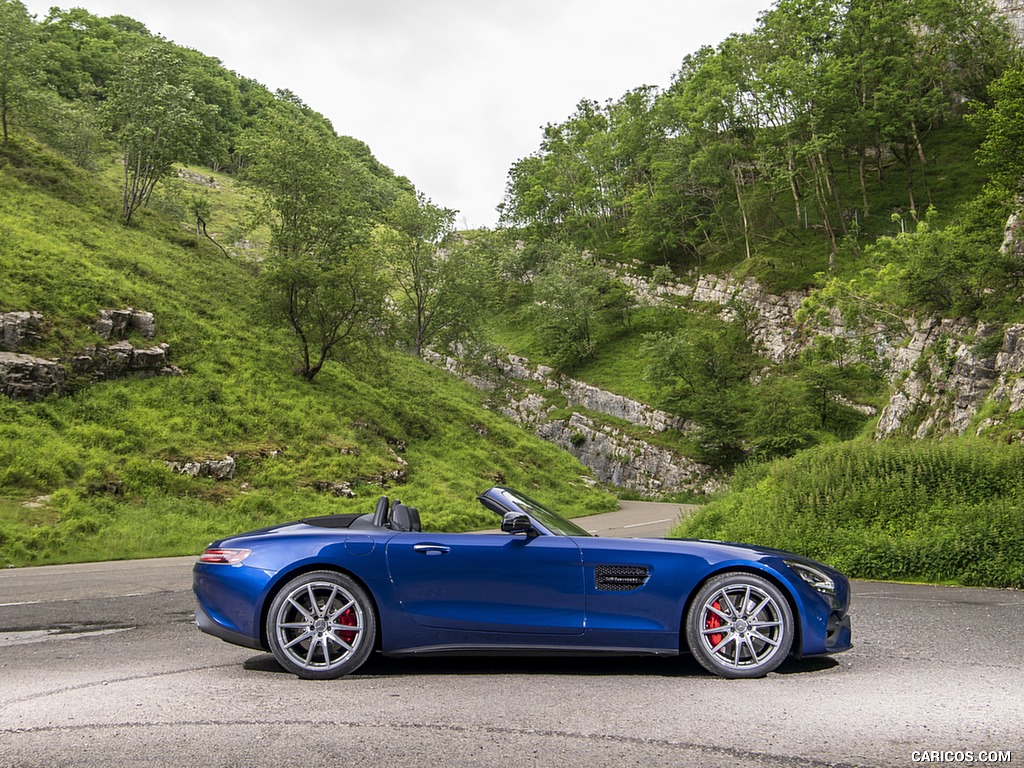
{"x":740,"y":625}
{"x":321,"y":625}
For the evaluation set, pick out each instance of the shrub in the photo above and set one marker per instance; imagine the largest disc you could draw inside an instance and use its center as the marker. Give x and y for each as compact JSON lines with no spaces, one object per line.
{"x":950,"y":511}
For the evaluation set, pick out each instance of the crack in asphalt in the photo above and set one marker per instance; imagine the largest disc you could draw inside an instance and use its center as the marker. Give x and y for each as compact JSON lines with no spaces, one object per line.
{"x":731,"y":752}
{"x":108,"y":681}
{"x":96,"y":598}
{"x":32,"y":636}
{"x":68,"y":627}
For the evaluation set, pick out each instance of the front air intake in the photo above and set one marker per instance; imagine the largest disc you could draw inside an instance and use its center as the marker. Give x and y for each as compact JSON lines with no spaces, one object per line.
{"x":620,"y":578}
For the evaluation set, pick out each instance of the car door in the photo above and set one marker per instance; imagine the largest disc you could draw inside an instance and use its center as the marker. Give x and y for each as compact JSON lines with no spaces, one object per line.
{"x":490,"y":582}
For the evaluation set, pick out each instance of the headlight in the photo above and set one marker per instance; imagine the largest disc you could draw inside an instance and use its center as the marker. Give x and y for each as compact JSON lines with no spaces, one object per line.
{"x":820,"y":580}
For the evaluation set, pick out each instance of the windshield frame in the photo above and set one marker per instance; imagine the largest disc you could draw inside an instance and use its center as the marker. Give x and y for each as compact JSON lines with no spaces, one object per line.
{"x":551,"y":521}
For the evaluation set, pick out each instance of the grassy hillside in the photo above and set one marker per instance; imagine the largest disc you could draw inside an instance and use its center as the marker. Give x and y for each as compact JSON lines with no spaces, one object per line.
{"x":945,"y":511}
{"x":84,"y":477}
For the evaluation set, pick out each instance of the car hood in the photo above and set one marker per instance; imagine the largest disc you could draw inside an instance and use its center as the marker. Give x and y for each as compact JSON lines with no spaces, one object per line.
{"x":740,"y":551}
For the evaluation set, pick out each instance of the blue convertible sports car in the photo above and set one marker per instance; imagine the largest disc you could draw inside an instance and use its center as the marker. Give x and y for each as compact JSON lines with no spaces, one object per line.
{"x":322,"y":594}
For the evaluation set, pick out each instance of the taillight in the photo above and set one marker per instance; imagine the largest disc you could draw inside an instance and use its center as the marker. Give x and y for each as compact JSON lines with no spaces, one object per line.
{"x":224,"y":556}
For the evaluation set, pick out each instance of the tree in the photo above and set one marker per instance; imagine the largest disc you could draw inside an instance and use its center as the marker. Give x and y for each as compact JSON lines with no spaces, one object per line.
{"x":443,"y":281}
{"x":833,"y":377}
{"x":16,"y":36}
{"x":215,"y":85}
{"x":329,"y":301}
{"x":321,"y":279}
{"x":574,"y":298}
{"x":156,"y":119}
{"x":1002,"y":150}
{"x":712,"y":103}
{"x":73,"y":128}
{"x":702,"y":372}
{"x":781,"y":421}
{"x":200,"y":209}
{"x":82,"y":53}
{"x":581,"y":182}
{"x":797,"y":97}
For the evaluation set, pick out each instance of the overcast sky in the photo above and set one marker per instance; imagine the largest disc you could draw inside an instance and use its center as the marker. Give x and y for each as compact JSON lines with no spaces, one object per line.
{"x":448,"y":93}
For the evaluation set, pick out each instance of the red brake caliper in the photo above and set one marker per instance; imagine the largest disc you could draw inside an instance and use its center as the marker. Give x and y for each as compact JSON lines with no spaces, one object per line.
{"x":713,"y":621}
{"x":347,"y":619}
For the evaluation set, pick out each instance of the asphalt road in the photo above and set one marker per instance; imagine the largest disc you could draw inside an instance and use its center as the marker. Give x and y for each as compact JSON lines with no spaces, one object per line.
{"x":100,"y":665}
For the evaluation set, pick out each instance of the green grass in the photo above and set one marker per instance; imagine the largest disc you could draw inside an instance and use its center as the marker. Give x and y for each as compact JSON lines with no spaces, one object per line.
{"x":950,"y":511}
{"x":234,"y":224}
{"x":619,"y":363}
{"x":91,"y":466}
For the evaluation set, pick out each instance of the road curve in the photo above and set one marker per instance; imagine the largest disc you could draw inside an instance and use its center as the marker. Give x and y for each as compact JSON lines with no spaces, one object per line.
{"x":100,"y":664}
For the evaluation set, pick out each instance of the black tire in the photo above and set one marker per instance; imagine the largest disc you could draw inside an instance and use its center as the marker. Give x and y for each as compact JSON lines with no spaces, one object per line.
{"x":321,"y":625}
{"x":739,"y":625}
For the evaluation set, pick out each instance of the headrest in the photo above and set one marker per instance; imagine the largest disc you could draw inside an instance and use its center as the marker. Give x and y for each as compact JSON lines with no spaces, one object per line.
{"x":404,"y":519}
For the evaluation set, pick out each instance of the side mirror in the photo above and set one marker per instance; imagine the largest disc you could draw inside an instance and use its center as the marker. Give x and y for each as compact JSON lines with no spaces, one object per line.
{"x":516,"y":522}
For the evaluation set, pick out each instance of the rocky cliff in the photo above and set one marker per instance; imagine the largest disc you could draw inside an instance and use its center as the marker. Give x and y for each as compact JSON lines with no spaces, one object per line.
{"x":942,"y":372}
{"x":615,"y":436}
{"x":946,"y":377}
{"x":1014,"y":12}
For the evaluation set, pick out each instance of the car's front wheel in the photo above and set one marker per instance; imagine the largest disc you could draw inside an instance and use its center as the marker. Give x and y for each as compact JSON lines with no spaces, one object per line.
{"x":321,"y":625}
{"x":739,"y":625}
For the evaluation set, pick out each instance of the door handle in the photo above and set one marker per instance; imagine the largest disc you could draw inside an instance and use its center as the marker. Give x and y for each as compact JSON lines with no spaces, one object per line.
{"x":431,"y":549}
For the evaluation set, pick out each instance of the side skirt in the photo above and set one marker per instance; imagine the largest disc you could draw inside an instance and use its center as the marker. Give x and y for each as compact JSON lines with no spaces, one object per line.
{"x":526,"y":650}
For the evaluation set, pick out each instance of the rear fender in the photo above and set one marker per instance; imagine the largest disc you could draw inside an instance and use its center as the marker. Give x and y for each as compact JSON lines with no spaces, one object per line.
{"x":369,"y":571}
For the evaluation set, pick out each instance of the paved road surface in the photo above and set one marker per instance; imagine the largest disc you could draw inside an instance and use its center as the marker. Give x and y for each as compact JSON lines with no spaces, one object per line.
{"x":637,"y":519}
{"x":100,"y":665}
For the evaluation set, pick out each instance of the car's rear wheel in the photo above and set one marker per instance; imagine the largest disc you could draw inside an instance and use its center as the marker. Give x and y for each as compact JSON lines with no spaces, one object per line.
{"x":321,"y":625}
{"x":739,"y":625}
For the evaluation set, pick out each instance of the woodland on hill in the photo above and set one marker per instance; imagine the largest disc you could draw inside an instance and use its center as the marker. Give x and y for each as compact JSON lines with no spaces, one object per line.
{"x":806,"y":135}
{"x":343,"y":232}
{"x":868,"y":150}
{"x":867,"y":153}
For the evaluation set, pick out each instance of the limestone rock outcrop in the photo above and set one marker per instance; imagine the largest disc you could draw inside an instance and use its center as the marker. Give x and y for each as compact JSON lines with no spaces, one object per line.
{"x":117,"y":323}
{"x":18,"y":329}
{"x":942,"y":371}
{"x":593,"y":398}
{"x":24,"y":377}
{"x":615,"y":457}
{"x":944,"y":389}
{"x":217,"y":469}
{"x":27,"y":377}
{"x":114,"y":361}
{"x":628,"y":462}
{"x":1014,"y":12}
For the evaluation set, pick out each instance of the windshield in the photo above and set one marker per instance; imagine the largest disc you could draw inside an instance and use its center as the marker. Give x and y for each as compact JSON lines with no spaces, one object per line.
{"x":553,"y":521}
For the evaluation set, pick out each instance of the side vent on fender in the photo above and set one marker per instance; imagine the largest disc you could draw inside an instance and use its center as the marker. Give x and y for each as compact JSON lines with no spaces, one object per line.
{"x":620,"y":578}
